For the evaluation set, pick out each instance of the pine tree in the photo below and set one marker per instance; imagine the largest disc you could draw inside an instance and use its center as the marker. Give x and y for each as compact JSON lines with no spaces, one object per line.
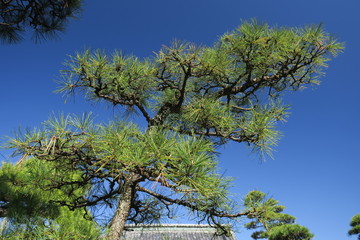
{"x":45,"y":17}
{"x":355,"y":226}
{"x":193,"y":99}
{"x":267,"y":215}
{"x":28,"y":207}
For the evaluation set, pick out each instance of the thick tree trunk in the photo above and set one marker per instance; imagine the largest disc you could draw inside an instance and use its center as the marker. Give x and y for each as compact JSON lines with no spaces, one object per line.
{"x":122,"y":211}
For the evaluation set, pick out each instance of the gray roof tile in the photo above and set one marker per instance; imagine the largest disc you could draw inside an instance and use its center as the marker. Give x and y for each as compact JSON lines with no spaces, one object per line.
{"x":172,"y":232}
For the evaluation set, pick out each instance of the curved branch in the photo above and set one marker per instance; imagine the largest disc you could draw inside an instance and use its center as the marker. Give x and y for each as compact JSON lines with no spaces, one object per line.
{"x":211,"y":211}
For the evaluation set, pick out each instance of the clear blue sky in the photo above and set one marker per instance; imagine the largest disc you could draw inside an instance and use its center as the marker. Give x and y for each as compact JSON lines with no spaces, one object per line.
{"x":315,"y":172}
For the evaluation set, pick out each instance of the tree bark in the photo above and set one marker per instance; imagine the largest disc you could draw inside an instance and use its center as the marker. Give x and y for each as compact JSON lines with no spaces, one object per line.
{"x":122,"y":211}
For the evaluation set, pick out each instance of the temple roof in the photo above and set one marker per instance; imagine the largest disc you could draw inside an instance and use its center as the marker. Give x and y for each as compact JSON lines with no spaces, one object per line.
{"x":173,"y":232}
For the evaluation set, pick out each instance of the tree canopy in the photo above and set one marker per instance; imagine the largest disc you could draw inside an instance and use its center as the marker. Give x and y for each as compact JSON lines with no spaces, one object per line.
{"x":267,"y":215}
{"x":44,"y":17}
{"x":29,"y":210}
{"x":355,"y":226}
{"x":193,"y":99}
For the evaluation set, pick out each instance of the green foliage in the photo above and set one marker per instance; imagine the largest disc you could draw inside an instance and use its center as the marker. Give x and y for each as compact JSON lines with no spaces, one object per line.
{"x":266,"y":214}
{"x":68,"y":225}
{"x":290,"y":232}
{"x":230,"y":91}
{"x":122,"y":76}
{"x":266,"y":50}
{"x":193,"y":100}
{"x":44,"y":17}
{"x":172,"y":160}
{"x":28,"y":204}
{"x":355,"y":226}
{"x":19,"y":198}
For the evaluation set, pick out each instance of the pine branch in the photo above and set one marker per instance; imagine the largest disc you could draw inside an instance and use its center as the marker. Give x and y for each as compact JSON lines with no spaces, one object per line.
{"x":192,"y":206}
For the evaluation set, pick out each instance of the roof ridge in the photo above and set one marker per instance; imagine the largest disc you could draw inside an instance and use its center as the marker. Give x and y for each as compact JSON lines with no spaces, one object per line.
{"x":174,"y":231}
{"x":171,"y":225}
